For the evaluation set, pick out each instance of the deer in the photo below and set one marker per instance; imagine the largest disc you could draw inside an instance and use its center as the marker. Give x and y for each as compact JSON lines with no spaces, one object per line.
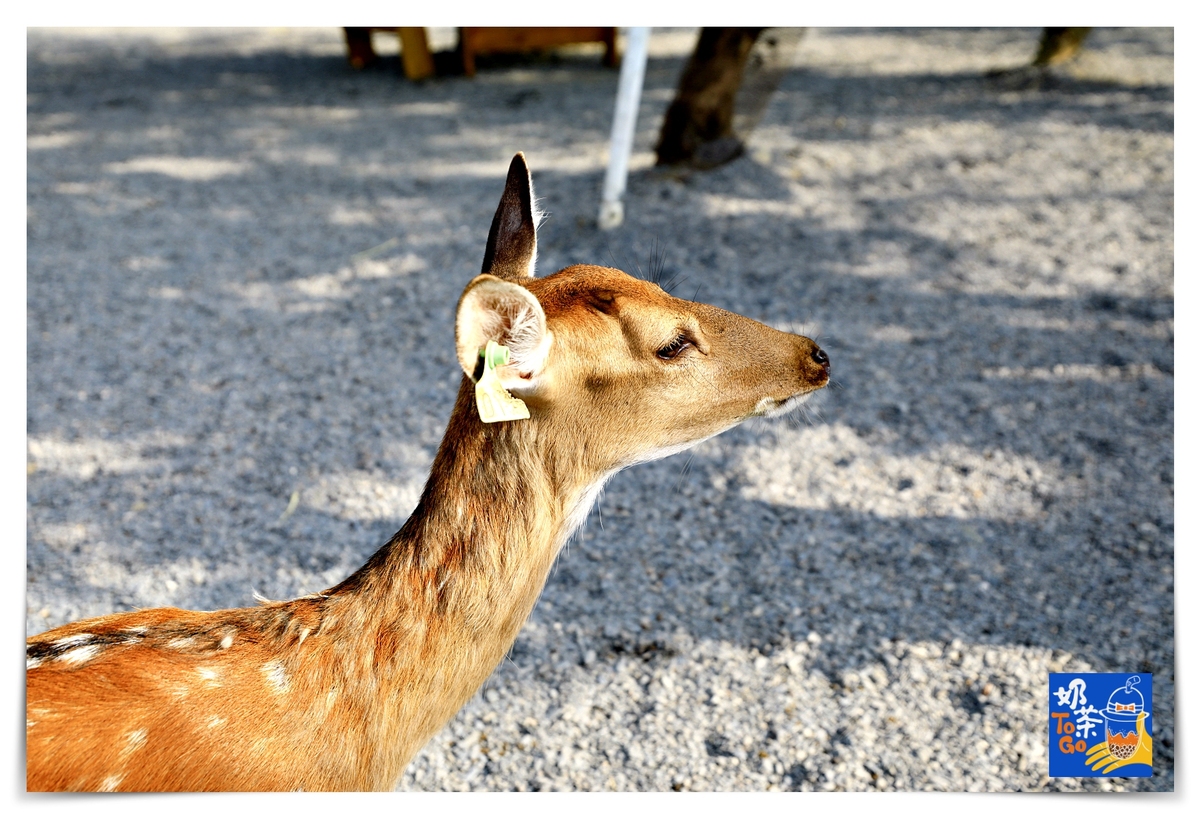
{"x":567,"y":379}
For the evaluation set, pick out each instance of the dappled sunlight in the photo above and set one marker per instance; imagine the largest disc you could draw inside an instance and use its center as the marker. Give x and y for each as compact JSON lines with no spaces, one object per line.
{"x":82,"y":188}
{"x":140,"y":263}
{"x":56,"y":120}
{"x":1076,"y":372}
{"x":262,"y":295}
{"x":1040,"y":320}
{"x":309,"y":293}
{"x":712,"y":689}
{"x":362,"y":496}
{"x":893,"y":334}
{"x":163,"y":583}
{"x":187,"y":168}
{"x":262,"y":134}
{"x":718,"y":206}
{"x":832,"y":467}
{"x":388,"y":268}
{"x":343,"y":215}
{"x":111,"y":570}
{"x":59,"y":139}
{"x":99,"y":198}
{"x":426,"y":108}
{"x":312,"y":156}
{"x":310,"y":114}
{"x":168,"y":293}
{"x":84,"y":459}
{"x":982,"y":211}
{"x":520,"y":76}
{"x":891,"y":52}
{"x":329,"y":285}
{"x":61,"y":536}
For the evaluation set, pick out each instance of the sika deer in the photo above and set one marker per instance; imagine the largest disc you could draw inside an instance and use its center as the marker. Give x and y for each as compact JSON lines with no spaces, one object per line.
{"x":338,"y":690}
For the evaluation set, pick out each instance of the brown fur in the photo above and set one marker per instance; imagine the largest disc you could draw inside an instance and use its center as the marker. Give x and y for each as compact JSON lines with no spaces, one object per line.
{"x":337,"y":691}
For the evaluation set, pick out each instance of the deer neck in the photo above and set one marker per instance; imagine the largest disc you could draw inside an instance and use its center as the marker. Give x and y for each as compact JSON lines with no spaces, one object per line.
{"x":500,"y":502}
{"x":448,"y":595}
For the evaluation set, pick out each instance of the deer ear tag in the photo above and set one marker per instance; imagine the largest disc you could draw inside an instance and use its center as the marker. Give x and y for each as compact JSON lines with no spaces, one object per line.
{"x":491,"y":398}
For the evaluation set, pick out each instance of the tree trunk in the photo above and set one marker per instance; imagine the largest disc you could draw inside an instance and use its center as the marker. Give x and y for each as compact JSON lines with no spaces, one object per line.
{"x":702,"y":112}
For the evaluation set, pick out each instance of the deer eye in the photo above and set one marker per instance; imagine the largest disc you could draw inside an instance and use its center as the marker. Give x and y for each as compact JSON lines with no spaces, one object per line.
{"x":672,"y":350}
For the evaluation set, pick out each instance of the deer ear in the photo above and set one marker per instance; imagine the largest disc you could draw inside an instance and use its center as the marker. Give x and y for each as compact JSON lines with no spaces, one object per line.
{"x":512,"y":242}
{"x":495,"y":310}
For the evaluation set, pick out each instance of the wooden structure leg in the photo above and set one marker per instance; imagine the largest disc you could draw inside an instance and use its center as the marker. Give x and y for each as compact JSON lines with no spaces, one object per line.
{"x":358,"y":47}
{"x":414,"y":51}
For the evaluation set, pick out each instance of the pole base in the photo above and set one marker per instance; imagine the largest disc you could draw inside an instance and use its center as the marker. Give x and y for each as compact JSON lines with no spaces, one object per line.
{"x":611,"y":215}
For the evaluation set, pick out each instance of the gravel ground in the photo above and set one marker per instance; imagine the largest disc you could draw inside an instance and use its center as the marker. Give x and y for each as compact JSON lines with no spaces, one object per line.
{"x":243,"y":262}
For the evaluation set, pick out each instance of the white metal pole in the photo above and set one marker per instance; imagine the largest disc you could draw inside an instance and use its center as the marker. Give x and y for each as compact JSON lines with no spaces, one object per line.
{"x":629,"y":94}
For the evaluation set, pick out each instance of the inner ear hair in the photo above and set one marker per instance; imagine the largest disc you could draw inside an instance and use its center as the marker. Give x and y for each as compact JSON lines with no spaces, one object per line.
{"x":494,"y":310}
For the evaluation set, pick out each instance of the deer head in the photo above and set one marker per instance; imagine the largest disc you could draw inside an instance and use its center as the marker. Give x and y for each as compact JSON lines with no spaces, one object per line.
{"x":612,"y":368}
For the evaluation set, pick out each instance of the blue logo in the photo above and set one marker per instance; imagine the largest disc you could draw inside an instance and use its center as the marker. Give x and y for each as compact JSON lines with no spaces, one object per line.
{"x":1100,"y":725}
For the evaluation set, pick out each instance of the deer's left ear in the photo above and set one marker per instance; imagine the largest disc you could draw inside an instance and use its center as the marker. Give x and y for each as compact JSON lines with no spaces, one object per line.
{"x":512,"y":242}
{"x":495,"y":310}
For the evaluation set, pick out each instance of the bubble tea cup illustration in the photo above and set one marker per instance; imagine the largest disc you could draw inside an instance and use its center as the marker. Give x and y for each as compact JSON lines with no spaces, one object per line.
{"x":1126,"y":709}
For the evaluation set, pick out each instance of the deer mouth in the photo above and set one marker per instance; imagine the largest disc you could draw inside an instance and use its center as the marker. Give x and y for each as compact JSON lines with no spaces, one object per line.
{"x":774,"y":407}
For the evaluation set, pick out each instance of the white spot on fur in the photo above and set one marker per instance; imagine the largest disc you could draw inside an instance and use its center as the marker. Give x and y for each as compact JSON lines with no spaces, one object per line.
{"x":76,"y":639}
{"x":210,"y":675}
{"x":134,"y":742}
{"x":80,"y":656}
{"x":182,"y":643}
{"x":31,"y":662}
{"x":304,"y":635}
{"x":215,"y":721}
{"x":227,"y":641}
{"x":111,"y":783}
{"x":137,"y":629}
{"x":276,"y":676}
{"x":29,"y":724}
{"x":330,"y":698}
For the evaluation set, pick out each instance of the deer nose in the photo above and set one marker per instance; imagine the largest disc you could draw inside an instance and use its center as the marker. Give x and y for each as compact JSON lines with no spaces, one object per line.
{"x":821,"y":358}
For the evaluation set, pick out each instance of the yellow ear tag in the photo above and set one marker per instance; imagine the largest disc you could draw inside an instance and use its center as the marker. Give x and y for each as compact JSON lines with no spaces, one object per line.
{"x":491,"y":398}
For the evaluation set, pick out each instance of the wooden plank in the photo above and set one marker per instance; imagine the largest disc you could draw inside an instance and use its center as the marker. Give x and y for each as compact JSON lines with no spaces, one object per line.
{"x":492,"y":40}
{"x":483,"y":40}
